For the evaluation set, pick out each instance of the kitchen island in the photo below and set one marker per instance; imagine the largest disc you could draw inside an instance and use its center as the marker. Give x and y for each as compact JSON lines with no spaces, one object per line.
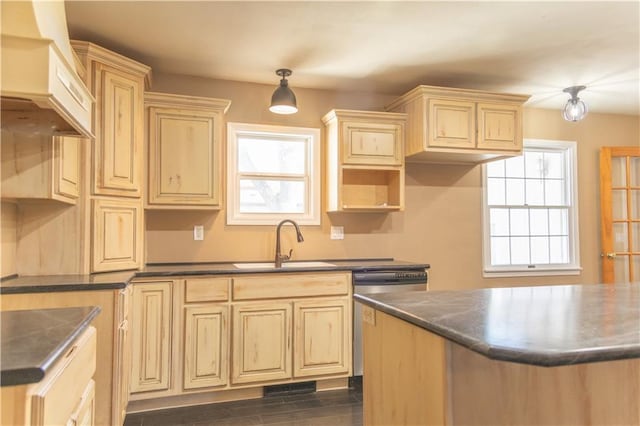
{"x":554,"y":355}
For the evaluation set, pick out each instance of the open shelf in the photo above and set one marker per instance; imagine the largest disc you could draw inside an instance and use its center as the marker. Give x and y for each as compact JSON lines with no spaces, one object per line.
{"x":371,"y":189}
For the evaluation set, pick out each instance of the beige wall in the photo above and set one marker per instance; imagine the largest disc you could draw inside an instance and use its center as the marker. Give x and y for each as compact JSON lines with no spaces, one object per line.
{"x":441,"y":224}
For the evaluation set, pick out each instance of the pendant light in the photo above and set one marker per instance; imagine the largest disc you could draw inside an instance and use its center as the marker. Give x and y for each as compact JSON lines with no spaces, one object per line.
{"x":283,"y":101}
{"x":575,"y":109}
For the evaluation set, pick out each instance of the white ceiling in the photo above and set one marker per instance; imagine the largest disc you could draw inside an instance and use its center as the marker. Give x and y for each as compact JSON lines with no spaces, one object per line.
{"x":388,"y":47}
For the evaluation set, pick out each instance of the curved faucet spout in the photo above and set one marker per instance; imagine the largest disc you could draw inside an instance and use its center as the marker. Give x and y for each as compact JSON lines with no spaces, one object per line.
{"x":283,"y":257}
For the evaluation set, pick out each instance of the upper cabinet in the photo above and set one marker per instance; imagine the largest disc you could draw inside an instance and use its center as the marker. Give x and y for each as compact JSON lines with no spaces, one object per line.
{"x":118,"y":84}
{"x":185,"y":135}
{"x":365,"y":160}
{"x":447,"y":125}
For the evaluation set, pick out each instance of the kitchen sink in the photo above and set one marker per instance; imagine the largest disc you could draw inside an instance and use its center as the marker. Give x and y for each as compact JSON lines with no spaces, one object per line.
{"x":286,"y":265}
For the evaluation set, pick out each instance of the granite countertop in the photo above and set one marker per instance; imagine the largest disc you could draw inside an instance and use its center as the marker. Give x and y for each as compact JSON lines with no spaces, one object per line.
{"x":115,"y":280}
{"x":545,"y":326}
{"x":32,"y":341}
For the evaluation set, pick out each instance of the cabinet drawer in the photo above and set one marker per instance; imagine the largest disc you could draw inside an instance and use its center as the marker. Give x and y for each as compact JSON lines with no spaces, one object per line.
{"x":275,"y":286}
{"x":55,"y":398}
{"x":206,"y":290}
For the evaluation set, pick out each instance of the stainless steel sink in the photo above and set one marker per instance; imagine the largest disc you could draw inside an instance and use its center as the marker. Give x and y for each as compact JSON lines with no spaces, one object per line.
{"x":286,"y":265}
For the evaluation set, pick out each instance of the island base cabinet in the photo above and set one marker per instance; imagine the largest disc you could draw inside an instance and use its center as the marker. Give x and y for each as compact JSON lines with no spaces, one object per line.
{"x":412,"y":376}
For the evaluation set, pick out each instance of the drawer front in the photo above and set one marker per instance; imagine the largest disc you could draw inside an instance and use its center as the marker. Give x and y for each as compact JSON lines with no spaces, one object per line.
{"x":275,"y":286}
{"x":55,"y":398}
{"x":206,"y":290}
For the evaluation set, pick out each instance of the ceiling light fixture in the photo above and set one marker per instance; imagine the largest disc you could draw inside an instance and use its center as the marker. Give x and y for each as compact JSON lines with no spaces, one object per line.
{"x":575,"y":109}
{"x":283,"y":101}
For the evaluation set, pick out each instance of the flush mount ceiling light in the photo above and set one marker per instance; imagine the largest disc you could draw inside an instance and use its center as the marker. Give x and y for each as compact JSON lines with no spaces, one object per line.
{"x":575,"y":109}
{"x":283,"y":101}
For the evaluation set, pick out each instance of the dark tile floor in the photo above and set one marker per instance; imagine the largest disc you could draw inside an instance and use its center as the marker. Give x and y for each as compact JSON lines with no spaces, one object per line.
{"x":330,"y":408}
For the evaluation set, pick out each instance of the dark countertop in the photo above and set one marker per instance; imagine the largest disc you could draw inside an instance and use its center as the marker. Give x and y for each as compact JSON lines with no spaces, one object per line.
{"x":545,"y":326}
{"x":115,"y":280}
{"x":32,"y":341}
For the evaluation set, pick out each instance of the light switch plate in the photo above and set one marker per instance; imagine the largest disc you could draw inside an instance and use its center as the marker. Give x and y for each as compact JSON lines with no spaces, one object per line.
{"x":198,"y":233}
{"x":337,"y":232}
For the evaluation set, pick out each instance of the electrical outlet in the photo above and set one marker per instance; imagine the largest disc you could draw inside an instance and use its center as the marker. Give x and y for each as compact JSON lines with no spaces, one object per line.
{"x":198,"y":233}
{"x":337,"y":232}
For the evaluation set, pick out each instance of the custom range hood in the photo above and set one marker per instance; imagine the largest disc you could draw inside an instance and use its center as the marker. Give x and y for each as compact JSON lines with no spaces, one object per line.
{"x":41,"y":91}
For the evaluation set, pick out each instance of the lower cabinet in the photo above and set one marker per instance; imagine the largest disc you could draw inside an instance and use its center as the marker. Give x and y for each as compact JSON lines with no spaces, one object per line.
{"x":225,"y":333}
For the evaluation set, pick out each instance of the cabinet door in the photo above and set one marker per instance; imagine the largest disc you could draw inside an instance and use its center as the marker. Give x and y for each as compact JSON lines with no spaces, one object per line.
{"x":122,"y":357}
{"x":84,"y":415}
{"x":451,"y":124}
{"x":370,"y":143}
{"x":151,"y":336}
{"x":261,"y":342}
{"x":322,"y":338}
{"x":499,"y":127}
{"x":120,"y":132}
{"x":205,"y":346}
{"x":66,"y":152}
{"x":116,"y":234}
{"x":184,"y":151}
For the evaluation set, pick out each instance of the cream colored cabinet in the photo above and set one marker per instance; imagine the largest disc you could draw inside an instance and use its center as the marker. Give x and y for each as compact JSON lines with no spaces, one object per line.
{"x":122,"y":361}
{"x":118,"y":84}
{"x":206,"y":332}
{"x":185,"y":135}
{"x":365,"y":160}
{"x":448,"y":125}
{"x":116,"y":234}
{"x":66,"y":394}
{"x":151,"y":319}
{"x":261,"y":342}
{"x":322,"y":337}
{"x":40,"y":167}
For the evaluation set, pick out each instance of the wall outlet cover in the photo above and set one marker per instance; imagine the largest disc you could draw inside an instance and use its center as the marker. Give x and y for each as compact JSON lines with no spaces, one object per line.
{"x":337,"y":232}
{"x":198,"y":233}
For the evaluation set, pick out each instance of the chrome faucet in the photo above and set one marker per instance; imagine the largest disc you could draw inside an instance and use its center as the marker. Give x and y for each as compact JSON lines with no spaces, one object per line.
{"x":284,"y":257}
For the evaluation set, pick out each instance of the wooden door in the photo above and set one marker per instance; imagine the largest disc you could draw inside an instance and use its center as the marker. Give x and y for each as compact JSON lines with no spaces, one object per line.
{"x":205,"y":346}
{"x":119,"y":120}
{"x":452,"y":124}
{"x":151,"y":336}
{"x":322,"y":337}
{"x":122,"y":356}
{"x":66,"y":152}
{"x":261,"y":342}
{"x":372,"y":143}
{"x":499,"y":127}
{"x":620,"y":213}
{"x":85,"y":413}
{"x":184,"y":157}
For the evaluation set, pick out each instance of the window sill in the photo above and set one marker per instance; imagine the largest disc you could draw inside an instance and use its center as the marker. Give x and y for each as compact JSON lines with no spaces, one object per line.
{"x":537,"y":272}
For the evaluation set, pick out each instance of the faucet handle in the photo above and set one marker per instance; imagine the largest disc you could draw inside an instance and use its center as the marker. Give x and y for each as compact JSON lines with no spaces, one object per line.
{"x":288,"y":256}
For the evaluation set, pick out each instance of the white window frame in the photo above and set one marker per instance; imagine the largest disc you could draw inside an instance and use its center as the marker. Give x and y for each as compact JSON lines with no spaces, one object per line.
{"x":571,"y":174}
{"x":311,"y":215}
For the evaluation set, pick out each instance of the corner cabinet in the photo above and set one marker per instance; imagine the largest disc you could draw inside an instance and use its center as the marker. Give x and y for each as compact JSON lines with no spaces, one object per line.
{"x":365,"y":161}
{"x":448,"y":125}
{"x":185,"y":136}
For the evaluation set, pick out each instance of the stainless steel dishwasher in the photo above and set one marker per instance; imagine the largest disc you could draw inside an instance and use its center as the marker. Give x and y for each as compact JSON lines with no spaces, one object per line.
{"x":380,"y":281}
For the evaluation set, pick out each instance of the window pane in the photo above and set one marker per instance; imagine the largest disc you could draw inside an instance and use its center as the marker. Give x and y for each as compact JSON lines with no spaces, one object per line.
{"x":635,"y":239}
{"x":619,"y":204}
{"x":559,"y":249}
{"x":499,"y":222}
{"x":271,"y":156}
{"x":635,"y":204}
{"x":554,"y":165}
{"x":619,"y":171}
{"x":533,"y":164}
{"x":539,"y":222}
{"x":495,"y":192}
{"x":519,"y":222}
{"x":554,"y":192}
{"x":535,"y":192}
{"x":266,"y":196}
{"x":621,"y":269}
{"x":634,"y":171}
{"x":558,"y":222}
{"x":515,"y":192}
{"x":520,"y":251}
{"x":495,"y":169}
{"x":515,"y":166}
{"x":539,"y":249}
{"x":620,"y":237}
{"x":500,"y":251}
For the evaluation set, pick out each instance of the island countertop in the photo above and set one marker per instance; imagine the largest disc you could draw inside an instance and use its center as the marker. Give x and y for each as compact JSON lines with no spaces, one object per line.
{"x":544,"y":325}
{"x":33,"y":340}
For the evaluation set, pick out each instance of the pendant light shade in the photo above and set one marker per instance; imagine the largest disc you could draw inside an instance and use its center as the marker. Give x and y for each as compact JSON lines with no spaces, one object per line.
{"x":575,"y":109}
{"x":283,"y":100}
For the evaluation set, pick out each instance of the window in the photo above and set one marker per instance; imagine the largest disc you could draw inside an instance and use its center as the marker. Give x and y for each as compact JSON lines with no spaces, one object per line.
{"x":531,"y":212}
{"x":273,"y":174}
